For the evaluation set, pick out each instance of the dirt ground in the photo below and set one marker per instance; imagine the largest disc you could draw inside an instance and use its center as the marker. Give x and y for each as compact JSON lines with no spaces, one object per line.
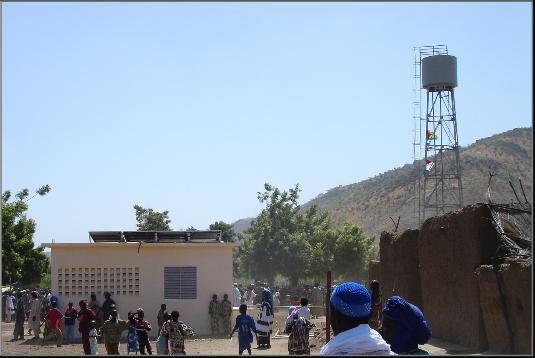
{"x":196,"y":346}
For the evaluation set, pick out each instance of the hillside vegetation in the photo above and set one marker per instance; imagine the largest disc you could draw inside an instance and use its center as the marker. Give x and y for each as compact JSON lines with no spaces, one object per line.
{"x":371,"y":203}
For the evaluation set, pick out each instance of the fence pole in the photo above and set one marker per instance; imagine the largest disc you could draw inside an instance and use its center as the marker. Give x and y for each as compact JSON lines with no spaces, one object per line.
{"x":328,"y":309}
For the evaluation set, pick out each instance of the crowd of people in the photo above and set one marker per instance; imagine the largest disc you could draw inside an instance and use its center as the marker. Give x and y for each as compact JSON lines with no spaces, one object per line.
{"x":359,"y":320}
{"x":362,"y":325}
{"x":96,"y":323}
{"x":251,"y":295}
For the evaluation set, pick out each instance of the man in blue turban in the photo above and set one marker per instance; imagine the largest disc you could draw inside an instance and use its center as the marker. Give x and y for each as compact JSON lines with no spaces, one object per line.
{"x":404,"y":326}
{"x":264,"y":323}
{"x":350,"y":307}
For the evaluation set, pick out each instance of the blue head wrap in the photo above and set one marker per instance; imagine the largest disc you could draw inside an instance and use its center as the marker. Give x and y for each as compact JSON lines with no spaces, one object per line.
{"x":268,"y":301}
{"x":411,"y":328}
{"x":269,"y":297}
{"x":352,"y":300}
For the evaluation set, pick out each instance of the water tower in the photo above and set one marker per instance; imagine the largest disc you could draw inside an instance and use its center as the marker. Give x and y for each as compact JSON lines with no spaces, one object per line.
{"x":442,"y":188}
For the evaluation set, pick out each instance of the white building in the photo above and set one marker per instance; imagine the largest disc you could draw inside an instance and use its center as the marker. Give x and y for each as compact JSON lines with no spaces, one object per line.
{"x":145,"y":269}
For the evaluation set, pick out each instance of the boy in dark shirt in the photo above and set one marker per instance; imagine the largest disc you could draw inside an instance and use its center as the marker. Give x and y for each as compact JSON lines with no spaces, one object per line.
{"x":85,"y":316}
{"x":160,"y":316}
{"x":70,"y":319}
{"x":142,"y":328}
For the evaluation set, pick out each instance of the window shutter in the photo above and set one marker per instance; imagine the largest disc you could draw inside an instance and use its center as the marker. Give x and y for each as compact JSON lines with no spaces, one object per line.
{"x":180,"y":283}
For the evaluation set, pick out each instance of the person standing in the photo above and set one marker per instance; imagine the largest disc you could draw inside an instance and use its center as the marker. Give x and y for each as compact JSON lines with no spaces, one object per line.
{"x":9,"y":307}
{"x":276,"y":300}
{"x":107,"y":306}
{"x":53,"y":318}
{"x":304,"y":311}
{"x":111,"y":331}
{"x":45,"y":301}
{"x":132,"y":339}
{"x":316,"y":300}
{"x":160,"y":316}
{"x":94,"y":305}
{"x":14,"y":300}
{"x":376,"y":318}
{"x":4,"y":297}
{"x":70,"y":320}
{"x":225,"y":310}
{"x":161,"y":341}
{"x":142,"y":329}
{"x":20,"y":315}
{"x":245,"y":325}
{"x":85,"y":316}
{"x":264,"y":322}
{"x":242,"y":293}
{"x":236,"y":296}
{"x":213,"y":311}
{"x":350,"y":306}
{"x":54,"y":298}
{"x":35,"y":315}
{"x":93,"y":337}
{"x":174,"y":332}
{"x":298,"y":328}
{"x":26,"y":302}
{"x":249,"y":296}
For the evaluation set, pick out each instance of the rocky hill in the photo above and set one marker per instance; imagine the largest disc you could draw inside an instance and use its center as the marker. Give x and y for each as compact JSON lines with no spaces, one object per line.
{"x":371,"y":203}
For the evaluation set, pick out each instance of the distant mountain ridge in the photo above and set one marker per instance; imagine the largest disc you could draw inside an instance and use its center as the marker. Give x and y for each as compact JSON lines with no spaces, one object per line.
{"x":370,"y":203}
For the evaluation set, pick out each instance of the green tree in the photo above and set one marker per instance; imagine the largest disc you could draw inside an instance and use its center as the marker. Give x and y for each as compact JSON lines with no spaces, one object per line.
{"x":150,"y":220}
{"x":21,"y":262}
{"x":299,"y":245}
{"x":282,"y":240}
{"x":267,"y":248}
{"x":352,"y":250}
{"x":227,"y":232}
{"x":191,"y":228}
{"x":46,"y":281}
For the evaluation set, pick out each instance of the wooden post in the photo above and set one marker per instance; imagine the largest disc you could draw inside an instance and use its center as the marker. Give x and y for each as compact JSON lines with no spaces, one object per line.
{"x":328,"y":309}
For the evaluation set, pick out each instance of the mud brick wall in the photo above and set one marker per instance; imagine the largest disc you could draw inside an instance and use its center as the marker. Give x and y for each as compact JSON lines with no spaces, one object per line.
{"x":494,"y":312}
{"x":450,"y":249}
{"x":399,"y":266}
{"x":516,"y":281}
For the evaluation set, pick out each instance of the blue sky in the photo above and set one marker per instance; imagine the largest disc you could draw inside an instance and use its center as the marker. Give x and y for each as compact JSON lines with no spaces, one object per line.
{"x":191,"y":107}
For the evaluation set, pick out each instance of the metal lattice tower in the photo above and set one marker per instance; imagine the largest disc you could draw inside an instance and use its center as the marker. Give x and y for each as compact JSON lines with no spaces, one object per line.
{"x":435,"y":133}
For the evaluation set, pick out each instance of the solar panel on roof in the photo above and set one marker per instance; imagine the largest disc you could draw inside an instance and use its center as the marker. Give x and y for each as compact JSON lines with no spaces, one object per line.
{"x":156,"y":236}
{"x":172,"y":236}
{"x":205,"y":236}
{"x":106,"y":236}
{"x":139,"y":236}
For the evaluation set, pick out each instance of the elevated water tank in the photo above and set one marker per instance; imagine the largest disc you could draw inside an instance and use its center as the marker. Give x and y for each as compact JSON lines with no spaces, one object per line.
{"x":439,"y":71}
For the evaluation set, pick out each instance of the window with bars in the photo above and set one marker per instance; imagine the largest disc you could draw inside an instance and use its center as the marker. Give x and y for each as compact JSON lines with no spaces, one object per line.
{"x":180,"y":282}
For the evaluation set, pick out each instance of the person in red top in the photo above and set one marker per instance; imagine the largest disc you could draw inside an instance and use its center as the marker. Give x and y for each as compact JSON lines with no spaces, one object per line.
{"x":53,"y":318}
{"x":85,"y":316}
{"x":142,"y":328}
{"x":70,"y":320}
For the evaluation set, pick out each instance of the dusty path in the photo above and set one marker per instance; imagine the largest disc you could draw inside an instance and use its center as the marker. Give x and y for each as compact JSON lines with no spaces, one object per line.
{"x":199,"y":346}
